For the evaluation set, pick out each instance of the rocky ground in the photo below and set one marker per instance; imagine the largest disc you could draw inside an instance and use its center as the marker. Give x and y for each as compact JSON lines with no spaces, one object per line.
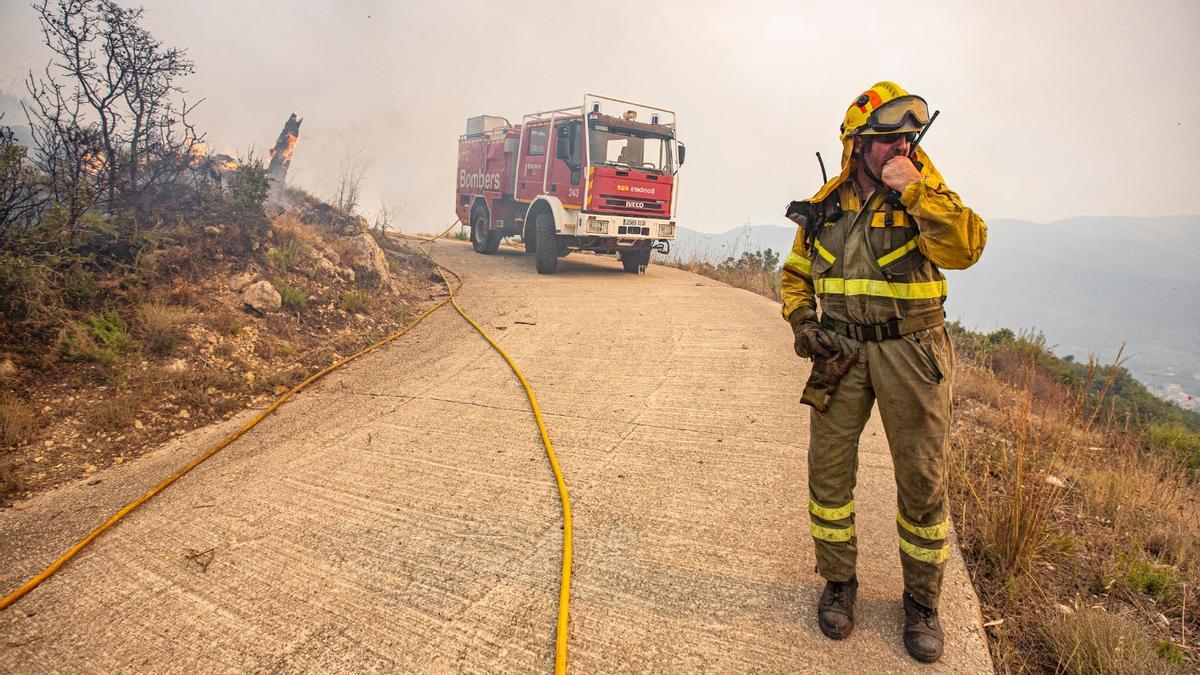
{"x":208,"y":343}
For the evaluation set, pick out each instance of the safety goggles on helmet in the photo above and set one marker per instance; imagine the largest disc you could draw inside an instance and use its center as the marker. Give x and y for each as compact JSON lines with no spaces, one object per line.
{"x":904,"y":113}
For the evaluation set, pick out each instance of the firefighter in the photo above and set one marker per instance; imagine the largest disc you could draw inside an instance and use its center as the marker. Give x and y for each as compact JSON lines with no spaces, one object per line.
{"x":870,"y":248}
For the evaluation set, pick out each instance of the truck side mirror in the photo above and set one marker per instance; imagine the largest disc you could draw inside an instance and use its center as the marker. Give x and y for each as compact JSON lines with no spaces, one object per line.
{"x":682,"y":152}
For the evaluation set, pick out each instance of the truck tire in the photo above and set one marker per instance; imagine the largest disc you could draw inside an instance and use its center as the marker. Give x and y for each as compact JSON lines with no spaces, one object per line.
{"x":483,"y":239}
{"x":529,"y":237}
{"x":547,"y":243}
{"x":636,"y":262}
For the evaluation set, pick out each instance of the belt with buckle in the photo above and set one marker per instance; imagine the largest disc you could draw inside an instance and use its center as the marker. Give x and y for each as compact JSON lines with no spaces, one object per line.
{"x":890,"y":330}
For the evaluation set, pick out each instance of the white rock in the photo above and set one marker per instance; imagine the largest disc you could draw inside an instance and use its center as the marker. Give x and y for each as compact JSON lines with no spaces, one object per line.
{"x":322,"y":267}
{"x":367,"y":260}
{"x":1063,"y":609}
{"x":1055,"y":481}
{"x":262,"y":296}
{"x":184,"y":413}
{"x":137,"y":424}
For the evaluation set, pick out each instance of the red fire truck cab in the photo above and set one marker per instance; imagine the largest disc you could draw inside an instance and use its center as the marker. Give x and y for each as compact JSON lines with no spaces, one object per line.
{"x":600,"y":177}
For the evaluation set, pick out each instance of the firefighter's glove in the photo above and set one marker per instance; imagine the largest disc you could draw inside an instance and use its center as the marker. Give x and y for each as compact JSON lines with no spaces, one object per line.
{"x":827,"y":373}
{"x":812,"y":340}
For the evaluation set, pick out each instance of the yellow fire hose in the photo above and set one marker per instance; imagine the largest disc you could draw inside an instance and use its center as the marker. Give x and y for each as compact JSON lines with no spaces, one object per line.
{"x":564,"y":594}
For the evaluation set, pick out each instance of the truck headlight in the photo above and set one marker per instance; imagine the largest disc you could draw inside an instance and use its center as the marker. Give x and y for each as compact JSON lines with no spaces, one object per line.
{"x":597,"y":226}
{"x":667,"y":230}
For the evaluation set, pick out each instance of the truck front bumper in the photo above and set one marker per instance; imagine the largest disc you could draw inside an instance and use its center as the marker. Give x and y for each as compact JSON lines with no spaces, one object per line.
{"x":632,"y":229}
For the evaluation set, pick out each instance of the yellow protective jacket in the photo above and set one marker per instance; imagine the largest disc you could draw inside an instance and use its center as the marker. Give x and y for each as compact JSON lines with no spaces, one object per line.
{"x":869,"y":268}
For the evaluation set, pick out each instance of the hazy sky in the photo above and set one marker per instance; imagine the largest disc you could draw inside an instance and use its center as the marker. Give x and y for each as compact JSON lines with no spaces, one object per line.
{"x":1049,"y":109}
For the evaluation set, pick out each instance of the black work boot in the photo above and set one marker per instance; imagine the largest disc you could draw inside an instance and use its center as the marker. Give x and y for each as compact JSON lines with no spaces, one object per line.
{"x":835,"y":611}
{"x":923,"y":635}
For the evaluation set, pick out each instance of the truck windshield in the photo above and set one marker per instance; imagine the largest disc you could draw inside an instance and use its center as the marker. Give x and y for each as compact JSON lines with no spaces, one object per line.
{"x":615,"y":145}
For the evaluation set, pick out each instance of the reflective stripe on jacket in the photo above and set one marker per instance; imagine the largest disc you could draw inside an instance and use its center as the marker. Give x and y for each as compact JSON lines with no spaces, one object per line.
{"x":867,"y":268}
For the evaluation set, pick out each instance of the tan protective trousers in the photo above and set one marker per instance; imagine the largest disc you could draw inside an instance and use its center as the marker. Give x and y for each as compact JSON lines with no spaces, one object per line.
{"x":910,"y":378}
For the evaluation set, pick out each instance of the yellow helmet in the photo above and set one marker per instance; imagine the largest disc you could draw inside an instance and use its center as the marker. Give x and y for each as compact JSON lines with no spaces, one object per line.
{"x":885,"y":108}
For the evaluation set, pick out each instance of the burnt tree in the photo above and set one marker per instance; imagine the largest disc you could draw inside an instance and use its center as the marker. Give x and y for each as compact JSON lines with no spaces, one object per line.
{"x":281,"y":154}
{"x":104,"y":112}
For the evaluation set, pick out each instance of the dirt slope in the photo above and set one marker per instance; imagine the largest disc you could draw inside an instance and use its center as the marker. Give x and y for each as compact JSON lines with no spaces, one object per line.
{"x":401,"y":515}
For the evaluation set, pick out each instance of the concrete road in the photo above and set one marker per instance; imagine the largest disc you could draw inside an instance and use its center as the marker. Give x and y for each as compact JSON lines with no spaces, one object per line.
{"x":401,"y":515}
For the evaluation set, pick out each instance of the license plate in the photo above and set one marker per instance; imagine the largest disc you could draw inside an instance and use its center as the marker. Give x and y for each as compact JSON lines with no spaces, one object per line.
{"x":631,"y":222}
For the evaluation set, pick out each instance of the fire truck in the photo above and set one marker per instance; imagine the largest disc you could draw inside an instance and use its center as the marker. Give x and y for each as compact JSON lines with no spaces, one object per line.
{"x":600,"y":177}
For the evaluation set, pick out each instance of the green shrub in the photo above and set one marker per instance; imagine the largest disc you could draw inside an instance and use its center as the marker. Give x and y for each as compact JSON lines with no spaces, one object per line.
{"x":1156,"y":580}
{"x":1177,"y":439}
{"x":249,"y":186}
{"x":27,"y":290}
{"x":285,"y":256}
{"x":1170,"y":652}
{"x":79,"y":287}
{"x":356,"y":302}
{"x":103,"y":338}
{"x":292,"y":297}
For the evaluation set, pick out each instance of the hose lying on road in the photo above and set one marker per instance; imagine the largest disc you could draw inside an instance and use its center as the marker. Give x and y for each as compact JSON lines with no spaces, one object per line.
{"x":560,"y":646}
{"x":564,"y":589}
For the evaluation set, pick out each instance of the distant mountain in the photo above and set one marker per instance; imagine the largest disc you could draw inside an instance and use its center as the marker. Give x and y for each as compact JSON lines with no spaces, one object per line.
{"x":1088,"y":284}
{"x":693,"y":245}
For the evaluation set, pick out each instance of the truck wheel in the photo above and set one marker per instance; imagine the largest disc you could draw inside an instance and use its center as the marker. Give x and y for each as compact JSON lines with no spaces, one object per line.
{"x":636,"y":262}
{"x":547,"y":243}
{"x":483,"y":240}
{"x":529,"y":237}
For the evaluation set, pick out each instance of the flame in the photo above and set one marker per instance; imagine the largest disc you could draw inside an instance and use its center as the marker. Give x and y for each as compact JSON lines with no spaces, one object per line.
{"x":284,"y":148}
{"x":94,"y":163}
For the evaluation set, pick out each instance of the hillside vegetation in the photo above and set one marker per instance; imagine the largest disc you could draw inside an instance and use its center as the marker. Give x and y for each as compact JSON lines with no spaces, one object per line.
{"x":1074,"y":494}
{"x":147,"y":287}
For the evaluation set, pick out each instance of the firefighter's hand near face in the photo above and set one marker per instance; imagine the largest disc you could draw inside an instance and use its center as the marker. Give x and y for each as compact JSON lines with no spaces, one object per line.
{"x":899,"y":172}
{"x":812,"y":340}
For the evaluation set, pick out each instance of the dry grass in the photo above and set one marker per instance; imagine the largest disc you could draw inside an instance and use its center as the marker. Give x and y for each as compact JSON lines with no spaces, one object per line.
{"x":747,"y":272}
{"x":1095,"y":641}
{"x":113,"y":414}
{"x":1058,"y":504}
{"x":162,"y":327}
{"x":1005,"y":510}
{"x":17,"y":420}
{"x":226,"y":322}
